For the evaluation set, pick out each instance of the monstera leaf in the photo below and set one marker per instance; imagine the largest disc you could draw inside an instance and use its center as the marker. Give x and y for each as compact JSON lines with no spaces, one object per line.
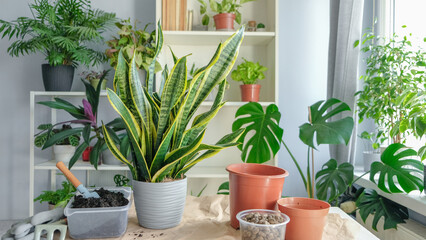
{"x":398,"y":161}
{"x":267,"y":132}
{"x":327,"y":131}
{"x":370,"y":202}
{"x":333,"y":180}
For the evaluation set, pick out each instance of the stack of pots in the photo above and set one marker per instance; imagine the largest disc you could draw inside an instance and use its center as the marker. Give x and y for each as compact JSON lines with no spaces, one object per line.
{"x":258,"y":186}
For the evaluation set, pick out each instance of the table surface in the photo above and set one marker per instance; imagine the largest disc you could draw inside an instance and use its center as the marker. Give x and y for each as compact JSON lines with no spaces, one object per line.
{"x":363,"y":233}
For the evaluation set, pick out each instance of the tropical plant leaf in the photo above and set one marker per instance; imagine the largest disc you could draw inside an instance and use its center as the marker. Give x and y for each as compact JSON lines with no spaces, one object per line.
{"x":61,"y":136}
{"x":223,"y":188}
{"x":80,"y":149}
{"x":327,"y":131}
{"x":369,"y":202}
{"x":422,"y":153}
{"x":267,"y":132}
{"x":398,"y":165}
{"x":333,"y":180}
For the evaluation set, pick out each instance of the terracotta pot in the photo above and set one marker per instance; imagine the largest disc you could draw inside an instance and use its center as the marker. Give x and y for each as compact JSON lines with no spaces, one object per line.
{"x":254,"y":186}
{"x":86,"y":154}
{"x":224,"y":21}
{"x":250,"y":92}
{"x":307,"y":217}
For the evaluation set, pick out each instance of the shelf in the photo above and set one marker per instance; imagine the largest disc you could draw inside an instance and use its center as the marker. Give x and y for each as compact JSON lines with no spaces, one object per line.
{"x":214,"y":37}
{"x":195,"y":172}
{"x":415,"y":200}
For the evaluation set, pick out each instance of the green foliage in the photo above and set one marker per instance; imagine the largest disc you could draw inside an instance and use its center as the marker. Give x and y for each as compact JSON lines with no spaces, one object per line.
{"x":398,"y":164}
{"x":61,"y":30}
{"x":394,"y":87}
{"x":260,"y":25}
{"x":267,"y":133}
{"x":133,"y":42}
{"x":370,"y":202}
{"x":121,"y":180}
{"x":48,"y":133}
{"x":225,"y":6}
{"x":248,"y":72}
{"x":223,"y":188}
{"x":332,"y":180}
{"x":60,"y":197}
{"x":200,"y":192}
{"x":374,"y":139}
{"x":163,"y":144}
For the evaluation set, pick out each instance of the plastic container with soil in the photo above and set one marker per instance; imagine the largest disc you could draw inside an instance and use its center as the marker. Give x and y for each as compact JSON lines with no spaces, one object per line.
{"x":308,"y":217}
{"x":102,"y":222}
{"x":262,"y":224}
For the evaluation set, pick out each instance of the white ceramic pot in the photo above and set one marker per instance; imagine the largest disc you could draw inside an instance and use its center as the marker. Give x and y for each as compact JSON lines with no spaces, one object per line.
{"x":63,"y":153}
{"x":369,"y":158}
{"x":109,"y":159}
{"x":159,"y":205}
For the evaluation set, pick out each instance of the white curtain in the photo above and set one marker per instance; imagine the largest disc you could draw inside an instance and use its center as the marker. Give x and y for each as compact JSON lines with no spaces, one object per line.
{"x":345,"y":28}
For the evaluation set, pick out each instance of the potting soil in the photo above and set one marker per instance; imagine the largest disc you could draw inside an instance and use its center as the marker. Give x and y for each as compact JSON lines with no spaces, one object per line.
{"x":106,"y":199}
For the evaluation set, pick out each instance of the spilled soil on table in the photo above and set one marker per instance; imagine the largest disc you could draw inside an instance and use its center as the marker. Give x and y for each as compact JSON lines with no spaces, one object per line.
{"x":107,"y":199}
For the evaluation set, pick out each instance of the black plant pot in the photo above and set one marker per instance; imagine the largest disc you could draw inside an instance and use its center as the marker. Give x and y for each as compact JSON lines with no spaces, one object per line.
{"x":57,"y":78}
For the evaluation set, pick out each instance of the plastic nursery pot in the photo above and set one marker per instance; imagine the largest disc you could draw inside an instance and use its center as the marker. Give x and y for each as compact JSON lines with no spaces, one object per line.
{"x":254,"y":186}
{"x":86,"y":154}
{"x":224,"y":21}
{"x":250,"y":92}
{"x":251,"y":230}
{"x":369,"y":158}
{"x":307,"y":217}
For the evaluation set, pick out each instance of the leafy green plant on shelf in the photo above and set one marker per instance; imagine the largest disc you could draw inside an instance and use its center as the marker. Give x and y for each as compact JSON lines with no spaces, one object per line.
{"x":47,"y":131}
{"x":60,"y":197}
{"x":86,"y":116}
{"x":62,"y":30}
{"x":248,"y":72}
{"x":164,"y":144}
{"x":224,"y":6}
{"x":133,"y":42}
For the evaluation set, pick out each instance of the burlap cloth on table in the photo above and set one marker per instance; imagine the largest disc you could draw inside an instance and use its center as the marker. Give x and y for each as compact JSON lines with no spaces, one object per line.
{"x":208,"y":218}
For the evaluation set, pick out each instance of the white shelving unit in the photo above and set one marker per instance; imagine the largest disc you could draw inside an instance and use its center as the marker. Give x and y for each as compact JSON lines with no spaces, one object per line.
{"x":256,"y":46}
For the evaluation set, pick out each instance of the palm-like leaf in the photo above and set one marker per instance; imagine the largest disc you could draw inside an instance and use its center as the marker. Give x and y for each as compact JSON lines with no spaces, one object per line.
{"x":327,"y":132}
{"x":333,"y":180}
{"x":369,"y":202}
{"x":398,"y":164}
{"x":267,"y":132}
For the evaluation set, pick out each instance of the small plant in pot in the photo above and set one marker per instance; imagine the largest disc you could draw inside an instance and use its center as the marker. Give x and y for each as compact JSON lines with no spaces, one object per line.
{"x":94,"y":77}
{"x":58,"y":198}
{"x":227,"y":12}
{"x":61,"y":30}
{"x":163,"y":144}
{"x":249,"y":73}
{"x":372,"y":148}
{"x":64,"y":148}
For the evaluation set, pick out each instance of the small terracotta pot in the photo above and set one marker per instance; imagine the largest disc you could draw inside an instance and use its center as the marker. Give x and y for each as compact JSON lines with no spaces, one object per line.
{"x":250,"y":92}
{"x":224,"y":21}
{"x":254,"y":186}
{"x":307,"y":217}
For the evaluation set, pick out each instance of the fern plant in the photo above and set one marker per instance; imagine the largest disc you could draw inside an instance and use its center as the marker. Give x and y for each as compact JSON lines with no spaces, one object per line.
{"x":61,"y":30}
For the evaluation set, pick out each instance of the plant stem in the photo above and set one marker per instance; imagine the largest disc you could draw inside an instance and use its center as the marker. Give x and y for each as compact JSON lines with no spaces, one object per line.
{"x":308,"y":174}
{"x":295,"y":162}
{"x":312,"y":153}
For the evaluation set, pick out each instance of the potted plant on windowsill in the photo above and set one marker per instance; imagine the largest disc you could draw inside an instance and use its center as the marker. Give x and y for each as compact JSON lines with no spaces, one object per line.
{"x":227,"y":12}
{"x":61,"y":30}
{"x":163,"y":146}
{"x":249,"y":73}
{"x":372,"y":148}
{"x":63,"y":149}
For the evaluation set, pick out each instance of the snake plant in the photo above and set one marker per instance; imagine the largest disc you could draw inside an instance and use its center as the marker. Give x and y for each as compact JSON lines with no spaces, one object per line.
{"x":164,"y":144}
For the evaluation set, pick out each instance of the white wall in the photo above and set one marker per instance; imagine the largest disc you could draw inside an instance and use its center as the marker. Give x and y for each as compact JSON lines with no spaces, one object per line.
{"x":18,"y":77}
{"x":303,"y":55}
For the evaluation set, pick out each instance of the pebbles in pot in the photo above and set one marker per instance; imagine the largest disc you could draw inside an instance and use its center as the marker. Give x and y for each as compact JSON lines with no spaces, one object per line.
{"x":259,"y":224}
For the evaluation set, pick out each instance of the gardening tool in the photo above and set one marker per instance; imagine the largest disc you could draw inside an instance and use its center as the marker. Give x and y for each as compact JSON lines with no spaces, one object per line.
{"x":61,"y":166}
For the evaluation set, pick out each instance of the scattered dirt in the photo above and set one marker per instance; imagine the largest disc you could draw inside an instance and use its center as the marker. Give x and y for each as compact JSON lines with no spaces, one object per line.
{"x":107,"y":199}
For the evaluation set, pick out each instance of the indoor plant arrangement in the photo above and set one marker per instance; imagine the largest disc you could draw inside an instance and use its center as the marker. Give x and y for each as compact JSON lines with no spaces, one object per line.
{"x":94,"y":77}
{"x":249,"y":73}
{"x":163,"y":148}
{"x":227,"y":12}
{"x":394,"y":87}
{"x":58,"y":198}
{"x":372,"y":148}
{"x":133,"y":42}
{"x":85,"y":115}
{"x":61,"y":30}
{"x":64,"y":148}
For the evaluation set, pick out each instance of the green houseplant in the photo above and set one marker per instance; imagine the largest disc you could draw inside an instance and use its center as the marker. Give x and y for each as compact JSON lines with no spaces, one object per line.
{"x":227,"y":11}
{"x":372,"y":142}
{"x":133,"y":42}
{"x":63,"y":149}
{"x":61,"y":30}
{"x":163,"y":148}
{"x":58,"y":198}
{"x":249,"y":73}
{"x":94,"y":78}
{"x":394,"y":88}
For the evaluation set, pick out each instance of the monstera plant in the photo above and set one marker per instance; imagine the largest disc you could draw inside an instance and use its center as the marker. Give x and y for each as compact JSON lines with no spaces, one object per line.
{"x":166,"y":135}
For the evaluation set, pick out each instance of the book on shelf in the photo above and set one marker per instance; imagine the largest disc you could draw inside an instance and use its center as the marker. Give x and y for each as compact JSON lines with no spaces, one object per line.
{"x":174,"y":15}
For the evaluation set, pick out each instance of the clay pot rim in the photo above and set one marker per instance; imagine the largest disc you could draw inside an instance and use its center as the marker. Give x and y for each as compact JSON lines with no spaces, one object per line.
{"x":286,"y":218}
{"x":251,"y":85}
{"x":322,"y":210}
{"x":282,"y":175}
{"x":227,"y":15}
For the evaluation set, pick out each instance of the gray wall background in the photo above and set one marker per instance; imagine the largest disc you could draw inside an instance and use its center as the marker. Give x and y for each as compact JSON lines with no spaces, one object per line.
{"x":303,"y":50}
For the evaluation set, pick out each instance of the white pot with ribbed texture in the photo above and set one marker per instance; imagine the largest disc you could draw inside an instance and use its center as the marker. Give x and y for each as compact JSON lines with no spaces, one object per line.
{"x":159,"y":205}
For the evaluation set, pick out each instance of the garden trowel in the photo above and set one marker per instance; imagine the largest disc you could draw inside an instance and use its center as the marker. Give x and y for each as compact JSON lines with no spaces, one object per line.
{"x":61,"y":166}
